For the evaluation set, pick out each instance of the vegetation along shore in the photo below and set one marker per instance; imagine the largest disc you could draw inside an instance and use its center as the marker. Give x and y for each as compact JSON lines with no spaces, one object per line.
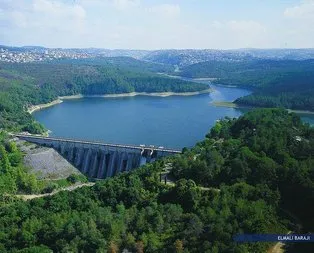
{"x":235,"y":105}
{"x":34,"y":108}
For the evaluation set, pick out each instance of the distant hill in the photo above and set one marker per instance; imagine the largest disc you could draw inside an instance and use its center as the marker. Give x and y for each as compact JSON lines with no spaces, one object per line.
{"x":251,"y":73}
{"x":125,"y":62}
{"x":175,"y":57}
{"x":280,"y":77}
{"x":186,"y":57}
{"x":276,"y":83}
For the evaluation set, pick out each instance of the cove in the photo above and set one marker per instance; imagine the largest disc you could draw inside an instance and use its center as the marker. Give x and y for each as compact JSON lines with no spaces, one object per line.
{"x":174,"y":121}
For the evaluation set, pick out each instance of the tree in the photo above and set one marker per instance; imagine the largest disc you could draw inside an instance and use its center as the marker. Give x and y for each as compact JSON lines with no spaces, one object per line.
{"x":5,"y":166}
{"x":139,"y":247}
{"x":178,"y":245}
{"x":113,"y":248}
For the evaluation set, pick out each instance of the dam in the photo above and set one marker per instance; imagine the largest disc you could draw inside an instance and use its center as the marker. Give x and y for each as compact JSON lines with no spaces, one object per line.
{"x":101,"y":160}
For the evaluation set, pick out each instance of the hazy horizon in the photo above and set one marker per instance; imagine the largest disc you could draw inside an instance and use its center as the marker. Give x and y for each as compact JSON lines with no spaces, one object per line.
{"x":158,"y":25}
{"x":163,"y":49}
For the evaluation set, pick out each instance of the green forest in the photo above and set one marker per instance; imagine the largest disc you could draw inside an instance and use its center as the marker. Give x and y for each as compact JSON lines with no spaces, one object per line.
{"x":122,"y":62}
{"x":25,"y":84}
{"x":276,"y":83}
{"x":254,"y":174}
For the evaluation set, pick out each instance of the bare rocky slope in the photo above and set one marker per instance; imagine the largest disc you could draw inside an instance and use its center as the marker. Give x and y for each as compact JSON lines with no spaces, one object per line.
{"x":46,"y":163}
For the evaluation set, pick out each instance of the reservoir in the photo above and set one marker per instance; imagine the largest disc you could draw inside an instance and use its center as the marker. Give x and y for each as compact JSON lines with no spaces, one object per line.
{"x":173,"y":122}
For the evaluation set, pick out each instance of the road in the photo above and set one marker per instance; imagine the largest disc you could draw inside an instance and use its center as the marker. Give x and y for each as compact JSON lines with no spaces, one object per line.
{"x":34,"y":137}
{"x":69,"y":188}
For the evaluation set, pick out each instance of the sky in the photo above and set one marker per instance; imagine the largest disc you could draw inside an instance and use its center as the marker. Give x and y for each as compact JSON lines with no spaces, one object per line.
{"x":152,"y":24}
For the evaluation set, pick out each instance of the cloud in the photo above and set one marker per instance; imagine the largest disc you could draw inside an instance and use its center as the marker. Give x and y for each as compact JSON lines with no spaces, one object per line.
{"x":42,"y":22}
{"x":305,"y":10}
{"x":58,"y":9}
{"x":299,"y":24}
{"x":165,"y":10}
{"x":42,"y":13}
{"x":150,"y":25}
{"x":125,"y":4}
{"x":120,"y":5}
{"x":244,"y":26}
{"x":18,"y":18}
{"x":235,"y":34}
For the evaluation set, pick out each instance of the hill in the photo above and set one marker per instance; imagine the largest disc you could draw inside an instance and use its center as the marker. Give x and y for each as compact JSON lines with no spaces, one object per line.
{"x":276,"y":83}
{"x":122,"y":62}
{"x":186,"y":57}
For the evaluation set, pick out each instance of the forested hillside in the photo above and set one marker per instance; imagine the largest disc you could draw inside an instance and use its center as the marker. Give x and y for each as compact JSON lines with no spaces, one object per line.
{"x":251,"y":175}
{"x":25,"y":84}
{"x":253,"y":72}
{"x":16,"y":178}
{"x":13,"y":176}
{"x":277,"y":83}
{"x":68,"y":79}
{"x":122,"y":62}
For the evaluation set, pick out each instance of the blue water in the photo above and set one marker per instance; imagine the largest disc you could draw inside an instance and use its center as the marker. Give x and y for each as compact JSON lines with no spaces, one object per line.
{"x":308,"y":118}
{"x":173,"y":122}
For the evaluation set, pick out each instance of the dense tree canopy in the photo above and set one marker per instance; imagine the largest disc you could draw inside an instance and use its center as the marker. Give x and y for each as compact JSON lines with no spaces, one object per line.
{"x":251,"y":175}
{"x":122,"y":62}
{"x":267,"y":148}
{"x":277,"y":83}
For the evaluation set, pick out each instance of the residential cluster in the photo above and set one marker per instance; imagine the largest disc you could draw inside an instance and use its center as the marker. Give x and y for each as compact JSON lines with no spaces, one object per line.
{"x":21,"y":56}
{"x":175,"y":57}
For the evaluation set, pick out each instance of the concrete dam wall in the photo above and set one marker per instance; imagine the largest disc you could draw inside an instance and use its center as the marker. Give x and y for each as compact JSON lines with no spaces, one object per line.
{"x":100,"y":160}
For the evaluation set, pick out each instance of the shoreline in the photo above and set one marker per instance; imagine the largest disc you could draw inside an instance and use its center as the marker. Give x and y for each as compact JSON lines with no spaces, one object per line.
{"x":300,"y":111}
{"x":35,"y":108}
{"x":229,"y":104}
{"x":234,"y":105}
{"x":133,"y":94}
{"x":60,"y":99}
{"x":224,"y":104}
{"x":210,"y":79}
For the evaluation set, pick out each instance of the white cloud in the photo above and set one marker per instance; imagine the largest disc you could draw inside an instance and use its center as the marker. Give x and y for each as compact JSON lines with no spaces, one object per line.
{"x":143,"y":25}
{"x":43,"y":13}
{"x":299,"y":24}
{"x":12,"y":5}
{"x":235,"y":34}
{"x":125,"y":4}
{"x":244,"y":26}
{"x":305,"y":10}
{"x":165,"y":10}
{"x":217,"y":24}
{"x":55,"y":8}
{"x":18,"y":18}
{"x":120,"y":5}
{"x":42,"y":22}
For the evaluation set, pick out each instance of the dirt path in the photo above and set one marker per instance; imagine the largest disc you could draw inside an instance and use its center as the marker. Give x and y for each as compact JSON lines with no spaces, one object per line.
{"x":278,"y":247}
{"x":70,"y":188}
